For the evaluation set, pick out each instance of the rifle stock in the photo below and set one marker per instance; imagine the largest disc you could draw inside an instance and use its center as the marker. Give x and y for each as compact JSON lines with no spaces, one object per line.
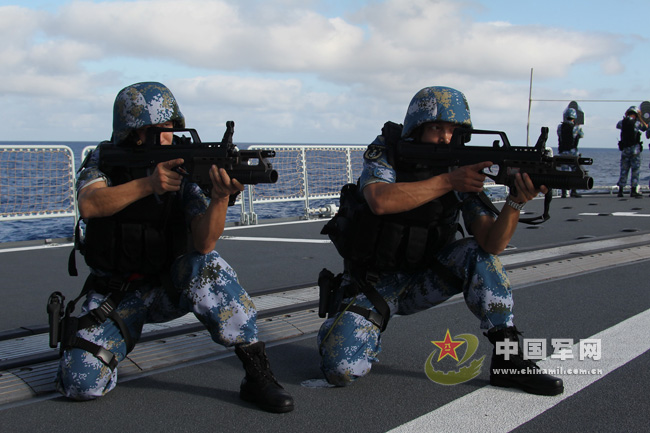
{"x":536,"y":161}
{"x":247,"y":166}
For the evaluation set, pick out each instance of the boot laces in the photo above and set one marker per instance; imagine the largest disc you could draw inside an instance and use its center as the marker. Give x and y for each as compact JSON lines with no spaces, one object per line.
{"x":258,"y":369}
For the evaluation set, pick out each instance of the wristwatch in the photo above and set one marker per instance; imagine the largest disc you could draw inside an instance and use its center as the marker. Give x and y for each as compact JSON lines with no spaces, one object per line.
{"x":513,"y":204}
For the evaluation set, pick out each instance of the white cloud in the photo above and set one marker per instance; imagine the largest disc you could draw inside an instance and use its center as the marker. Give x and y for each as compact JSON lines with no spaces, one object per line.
{"x":282,"y":63}
{"x":391,"y":36}
{"x":246,"y":92}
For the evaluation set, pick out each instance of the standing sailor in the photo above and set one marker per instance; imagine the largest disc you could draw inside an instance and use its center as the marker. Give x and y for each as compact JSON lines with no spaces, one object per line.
{"x":631,"y":147}
{"x":568,"y":135}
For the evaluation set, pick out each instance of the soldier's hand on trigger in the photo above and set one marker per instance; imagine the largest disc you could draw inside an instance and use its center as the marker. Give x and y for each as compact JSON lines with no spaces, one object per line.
{"x":164,"y":178}
{"x":469,"y":178}
{"x":222,"y":185}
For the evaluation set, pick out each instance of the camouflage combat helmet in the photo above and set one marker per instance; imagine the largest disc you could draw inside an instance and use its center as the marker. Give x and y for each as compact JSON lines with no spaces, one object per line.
{"x":633,"y":110}
{"x":436,"y":104}
{"x":570,"y":114}
{"x":144,"y":104}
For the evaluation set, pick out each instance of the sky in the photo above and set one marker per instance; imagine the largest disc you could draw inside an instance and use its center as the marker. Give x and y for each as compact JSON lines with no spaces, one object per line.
{"x":319,"y":71}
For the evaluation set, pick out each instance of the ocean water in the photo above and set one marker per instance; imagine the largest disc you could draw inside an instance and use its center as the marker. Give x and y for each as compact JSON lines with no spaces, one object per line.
{"x":605,"y":171}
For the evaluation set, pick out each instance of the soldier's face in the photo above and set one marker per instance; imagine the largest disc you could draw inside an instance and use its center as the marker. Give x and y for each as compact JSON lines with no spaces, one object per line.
{"x":438,"y":132}
{"x":166,"y":138}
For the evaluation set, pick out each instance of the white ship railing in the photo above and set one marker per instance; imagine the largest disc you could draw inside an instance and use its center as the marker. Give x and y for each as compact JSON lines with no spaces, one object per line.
{"x":307,"y":173}
{"x":38,"y":181}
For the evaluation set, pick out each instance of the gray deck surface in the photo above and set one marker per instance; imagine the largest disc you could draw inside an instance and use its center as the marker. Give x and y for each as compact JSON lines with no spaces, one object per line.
{"x":581,"y":274}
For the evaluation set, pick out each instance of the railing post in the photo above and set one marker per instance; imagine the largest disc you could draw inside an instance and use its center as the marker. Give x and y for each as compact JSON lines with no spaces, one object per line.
{"x":243,"y":218}
{"x":303,"y":155}
{"x":348,"y":155}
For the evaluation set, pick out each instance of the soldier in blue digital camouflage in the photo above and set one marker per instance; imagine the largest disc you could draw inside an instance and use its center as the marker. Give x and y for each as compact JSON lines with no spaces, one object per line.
{"x":568,"y":136}
{"x":402,"y":256}
{"x":631,"y":147}
{"x":149,"y":242}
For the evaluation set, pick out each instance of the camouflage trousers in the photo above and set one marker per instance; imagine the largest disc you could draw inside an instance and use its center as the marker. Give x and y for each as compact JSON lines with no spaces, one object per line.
{"x":630,"y":159}
{"x":566,"y":167}
{"x":208,"y":287}
{"x":349,"y":343}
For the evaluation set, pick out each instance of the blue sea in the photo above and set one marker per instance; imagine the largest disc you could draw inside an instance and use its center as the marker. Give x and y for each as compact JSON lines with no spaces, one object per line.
{"x":605,"y":171}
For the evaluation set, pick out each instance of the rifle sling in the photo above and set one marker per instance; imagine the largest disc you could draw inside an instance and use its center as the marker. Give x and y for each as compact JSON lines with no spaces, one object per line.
{"x":532,"y":220}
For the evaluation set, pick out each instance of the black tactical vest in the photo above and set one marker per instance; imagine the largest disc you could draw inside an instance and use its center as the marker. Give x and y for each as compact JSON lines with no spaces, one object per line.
{"x":406,"y":241}
{"x":566,"y":139}
{"x":629,"y":135}
{"x":144,"y":238}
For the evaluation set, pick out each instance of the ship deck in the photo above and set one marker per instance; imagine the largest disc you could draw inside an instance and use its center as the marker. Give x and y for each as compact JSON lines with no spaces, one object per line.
{"x":580,"y":275}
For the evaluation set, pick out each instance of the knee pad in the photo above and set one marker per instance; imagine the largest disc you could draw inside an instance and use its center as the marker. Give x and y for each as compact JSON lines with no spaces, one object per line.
{"x":82,"y":377}
{"x":348,"y":346}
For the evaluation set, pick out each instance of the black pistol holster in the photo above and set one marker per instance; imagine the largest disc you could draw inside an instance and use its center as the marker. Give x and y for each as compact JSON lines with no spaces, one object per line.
{"x":328,"y":285}
{"x":64,"y":326}
{"x":332,"y":295}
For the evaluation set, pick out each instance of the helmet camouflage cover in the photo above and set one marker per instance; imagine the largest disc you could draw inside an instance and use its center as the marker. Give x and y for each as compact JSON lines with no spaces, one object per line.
{"x":632,"y":110}
{"x":570,"y":113}
{"x":436,"y":104}
{"x":144,"y":104}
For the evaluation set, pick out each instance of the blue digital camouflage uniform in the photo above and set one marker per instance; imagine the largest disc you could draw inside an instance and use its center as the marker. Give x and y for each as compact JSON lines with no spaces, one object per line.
{"x":208,"y":287}
{"x":630,"y":160}
{"x":349,"y":343}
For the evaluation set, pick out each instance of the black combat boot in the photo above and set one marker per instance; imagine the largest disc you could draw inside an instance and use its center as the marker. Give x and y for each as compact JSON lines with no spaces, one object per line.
{"x":575,"y":194}
{"x":518,"y":372}
{"x":260,"y":386}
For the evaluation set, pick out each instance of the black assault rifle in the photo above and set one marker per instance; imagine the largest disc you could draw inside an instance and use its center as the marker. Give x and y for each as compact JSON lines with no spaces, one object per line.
{"x":247,"y":166}
{"x":536,"y":161}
